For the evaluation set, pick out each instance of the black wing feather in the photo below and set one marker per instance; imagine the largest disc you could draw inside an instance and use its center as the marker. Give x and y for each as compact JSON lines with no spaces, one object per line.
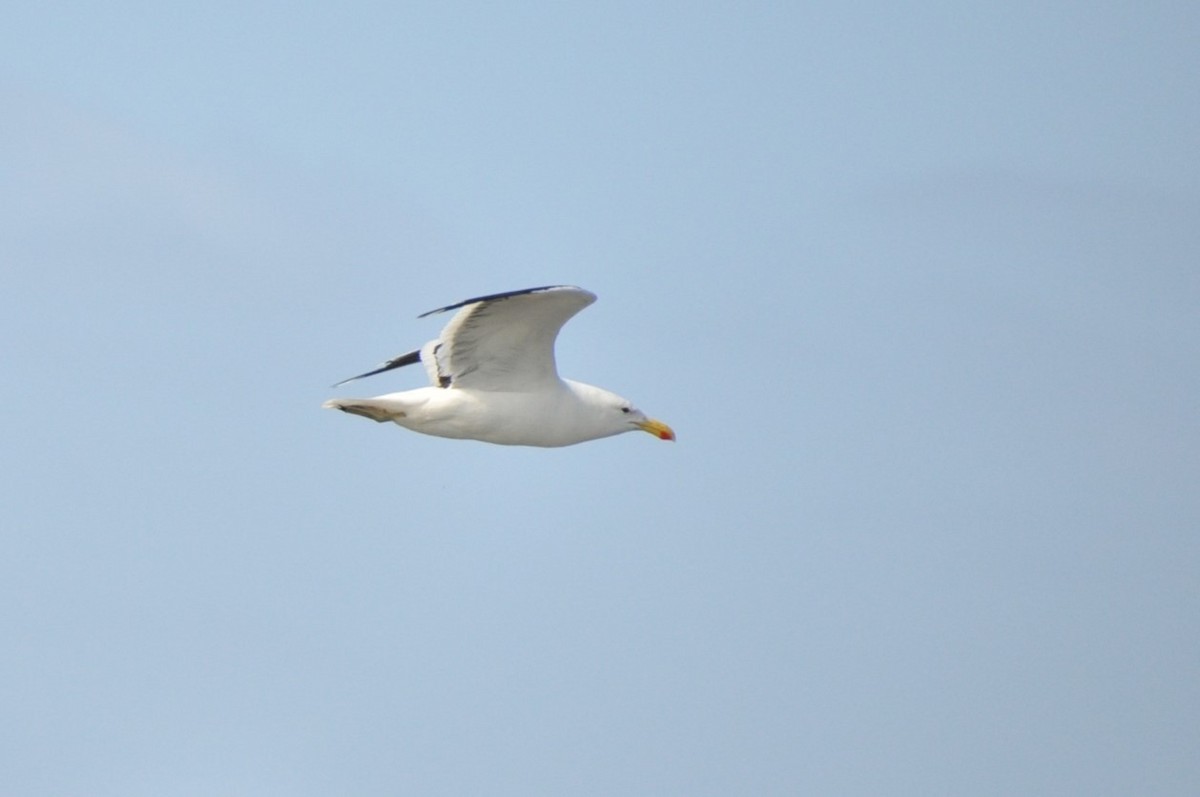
{"x":396,"y":362}
{"x":491,"y":297}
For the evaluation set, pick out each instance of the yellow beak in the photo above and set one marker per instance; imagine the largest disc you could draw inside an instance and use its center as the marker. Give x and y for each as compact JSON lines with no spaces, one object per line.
{"x":658,"y":429}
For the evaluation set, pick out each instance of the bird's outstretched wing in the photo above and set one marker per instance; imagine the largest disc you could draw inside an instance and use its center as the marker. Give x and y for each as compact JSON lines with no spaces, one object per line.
{"x":503,"y":342}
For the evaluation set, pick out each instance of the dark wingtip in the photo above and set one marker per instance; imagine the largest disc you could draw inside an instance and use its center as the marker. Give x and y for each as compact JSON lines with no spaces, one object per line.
{"x":396,"y":362}
{"x":491,"y":297}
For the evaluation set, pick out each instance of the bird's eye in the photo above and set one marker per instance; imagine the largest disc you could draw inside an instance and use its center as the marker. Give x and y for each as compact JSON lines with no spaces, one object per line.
{"x":625,"y":410}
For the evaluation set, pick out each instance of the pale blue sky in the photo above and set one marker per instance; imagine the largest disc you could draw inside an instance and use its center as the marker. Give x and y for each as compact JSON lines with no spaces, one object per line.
{"x":918,"y":289}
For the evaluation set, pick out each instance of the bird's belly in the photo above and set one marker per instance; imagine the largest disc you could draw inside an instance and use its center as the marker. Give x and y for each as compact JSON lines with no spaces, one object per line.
{"x":500,"y":418}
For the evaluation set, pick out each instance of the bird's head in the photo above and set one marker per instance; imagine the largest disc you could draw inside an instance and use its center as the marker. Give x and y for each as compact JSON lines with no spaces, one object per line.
{"x":638,"y":420}
{"x":611,"y":414}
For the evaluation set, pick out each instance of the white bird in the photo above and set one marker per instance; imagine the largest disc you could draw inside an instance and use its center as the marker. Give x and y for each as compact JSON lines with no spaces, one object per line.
{"x":494,"y":379}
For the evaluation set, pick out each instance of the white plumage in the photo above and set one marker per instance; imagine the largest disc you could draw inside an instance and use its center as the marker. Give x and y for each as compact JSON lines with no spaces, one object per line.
{"x":493,"y":378}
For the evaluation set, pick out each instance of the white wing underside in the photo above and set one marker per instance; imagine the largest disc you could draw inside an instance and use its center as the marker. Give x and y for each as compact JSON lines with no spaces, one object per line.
{"x":504,"y":343}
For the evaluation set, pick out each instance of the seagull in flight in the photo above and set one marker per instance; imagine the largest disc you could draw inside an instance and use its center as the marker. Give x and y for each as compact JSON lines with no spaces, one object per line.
{"x":493,"y":378}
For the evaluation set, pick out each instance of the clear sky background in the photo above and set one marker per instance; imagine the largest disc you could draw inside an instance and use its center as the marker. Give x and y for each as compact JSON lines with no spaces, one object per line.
{"x":918,"y":289}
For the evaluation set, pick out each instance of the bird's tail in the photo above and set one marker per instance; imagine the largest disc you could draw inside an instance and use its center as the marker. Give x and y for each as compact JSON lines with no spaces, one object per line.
{"x":379,"y":410}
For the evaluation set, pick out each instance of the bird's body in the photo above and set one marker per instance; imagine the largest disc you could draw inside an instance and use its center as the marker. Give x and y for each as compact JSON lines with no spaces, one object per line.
{"x":494,"y":378}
